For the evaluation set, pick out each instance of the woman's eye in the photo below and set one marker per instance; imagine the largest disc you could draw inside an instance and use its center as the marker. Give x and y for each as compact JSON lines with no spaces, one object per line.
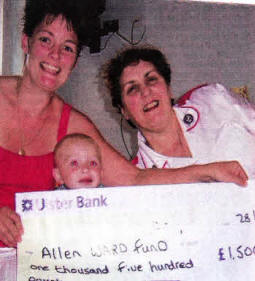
{"x":152,"y":79}
{"x":132,"y":89}
{"x":69,"y":49}
{"x":74,"y":163}
{"x":44,"y":39}
{"x":93,"y":163}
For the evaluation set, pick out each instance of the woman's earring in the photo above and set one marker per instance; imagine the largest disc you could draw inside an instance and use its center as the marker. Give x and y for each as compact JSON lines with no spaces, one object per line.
{"x":25,"y":63}
{"x":27,"y":59}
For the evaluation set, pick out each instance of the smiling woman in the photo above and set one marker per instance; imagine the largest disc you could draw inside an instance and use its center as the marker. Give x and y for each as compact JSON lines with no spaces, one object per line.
{"x":210,"y":125}
{"x":146,"y":98}
{"x":50,"y":55}
{"x":33,"y":117}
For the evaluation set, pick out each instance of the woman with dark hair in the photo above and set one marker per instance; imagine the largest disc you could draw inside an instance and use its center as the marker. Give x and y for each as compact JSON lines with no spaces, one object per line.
{"x":33,"y":118}
{"x":207,"y":125}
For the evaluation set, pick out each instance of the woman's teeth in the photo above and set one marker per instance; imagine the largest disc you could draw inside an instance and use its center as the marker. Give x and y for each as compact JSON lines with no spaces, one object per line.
{"x":150,"y":106}
{"x":50,"y":68}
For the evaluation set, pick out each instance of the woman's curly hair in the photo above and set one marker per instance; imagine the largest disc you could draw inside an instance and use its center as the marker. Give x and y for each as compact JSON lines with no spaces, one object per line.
{"x":113,"y":69}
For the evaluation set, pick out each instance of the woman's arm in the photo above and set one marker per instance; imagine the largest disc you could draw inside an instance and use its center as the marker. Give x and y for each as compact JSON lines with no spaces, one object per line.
{"x":117,"y":171}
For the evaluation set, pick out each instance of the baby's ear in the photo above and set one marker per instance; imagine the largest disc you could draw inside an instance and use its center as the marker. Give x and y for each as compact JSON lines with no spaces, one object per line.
{"x":57,"y":176}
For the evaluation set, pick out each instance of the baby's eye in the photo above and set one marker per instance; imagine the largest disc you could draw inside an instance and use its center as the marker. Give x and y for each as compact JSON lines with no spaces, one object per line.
{"x":74,"y":163}
{"x":93,"y":163}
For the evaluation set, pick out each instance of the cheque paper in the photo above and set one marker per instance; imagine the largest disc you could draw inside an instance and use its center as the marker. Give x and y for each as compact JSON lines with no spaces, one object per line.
{"x":145,"y":233}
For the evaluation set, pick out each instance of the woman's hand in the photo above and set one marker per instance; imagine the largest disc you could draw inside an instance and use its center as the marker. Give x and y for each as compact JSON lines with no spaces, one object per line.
{"x":227,"y":171}
{"x":11,"y":228}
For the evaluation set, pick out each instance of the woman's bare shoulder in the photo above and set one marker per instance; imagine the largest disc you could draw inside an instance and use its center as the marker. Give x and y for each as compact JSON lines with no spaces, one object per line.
{"x":8,"y":88}
{"x":8,"y":82}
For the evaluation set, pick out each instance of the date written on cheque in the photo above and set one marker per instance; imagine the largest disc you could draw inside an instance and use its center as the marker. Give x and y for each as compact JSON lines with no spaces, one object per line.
{"x":246,"y":217}
{"x":236,"y":252}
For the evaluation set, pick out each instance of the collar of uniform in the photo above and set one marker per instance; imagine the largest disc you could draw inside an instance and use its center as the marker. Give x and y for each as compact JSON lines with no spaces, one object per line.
{"x":188,"y":116}
{"x":149,"y":157}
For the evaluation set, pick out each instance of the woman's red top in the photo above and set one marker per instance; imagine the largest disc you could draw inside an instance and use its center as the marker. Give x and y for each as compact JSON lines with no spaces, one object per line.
{"x":28,"y":173}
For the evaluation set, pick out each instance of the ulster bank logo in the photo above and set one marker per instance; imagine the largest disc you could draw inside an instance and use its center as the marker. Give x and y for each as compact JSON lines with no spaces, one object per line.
{"x":27,"y":205}
{"x":33,"y":205}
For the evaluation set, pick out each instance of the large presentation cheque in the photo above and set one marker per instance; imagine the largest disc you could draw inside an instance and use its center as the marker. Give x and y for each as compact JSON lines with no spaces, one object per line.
{"x":192,"y":232}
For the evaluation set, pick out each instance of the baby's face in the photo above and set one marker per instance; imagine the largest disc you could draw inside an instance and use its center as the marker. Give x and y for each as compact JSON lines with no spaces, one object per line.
{"x":79,"y":164}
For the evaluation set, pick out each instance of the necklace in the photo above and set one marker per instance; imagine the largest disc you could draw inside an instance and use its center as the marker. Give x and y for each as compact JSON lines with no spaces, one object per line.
{"x":24,"y":144}
{"x":21,"y":151}
{"x":21,"y":124}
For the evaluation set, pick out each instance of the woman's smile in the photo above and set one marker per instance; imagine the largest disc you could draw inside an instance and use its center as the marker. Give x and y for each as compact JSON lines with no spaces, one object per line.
{"x":50,"y":68}
{"x":150,"y":106}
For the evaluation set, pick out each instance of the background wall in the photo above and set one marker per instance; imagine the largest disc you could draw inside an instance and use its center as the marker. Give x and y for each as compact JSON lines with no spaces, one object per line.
{"x":204,"y":42}
{"x":85,"y":89}
{"x":12,"y":27}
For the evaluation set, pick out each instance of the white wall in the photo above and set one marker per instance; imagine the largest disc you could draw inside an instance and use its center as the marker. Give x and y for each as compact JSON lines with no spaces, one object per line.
{"x":204,"y":42}
{"x":227,"y":1}
{"x":1,"y":34}
{"x":12,"y":27}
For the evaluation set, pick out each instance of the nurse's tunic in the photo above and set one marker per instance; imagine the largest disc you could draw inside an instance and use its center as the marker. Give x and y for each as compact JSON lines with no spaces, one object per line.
{"x":217,"y":125}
